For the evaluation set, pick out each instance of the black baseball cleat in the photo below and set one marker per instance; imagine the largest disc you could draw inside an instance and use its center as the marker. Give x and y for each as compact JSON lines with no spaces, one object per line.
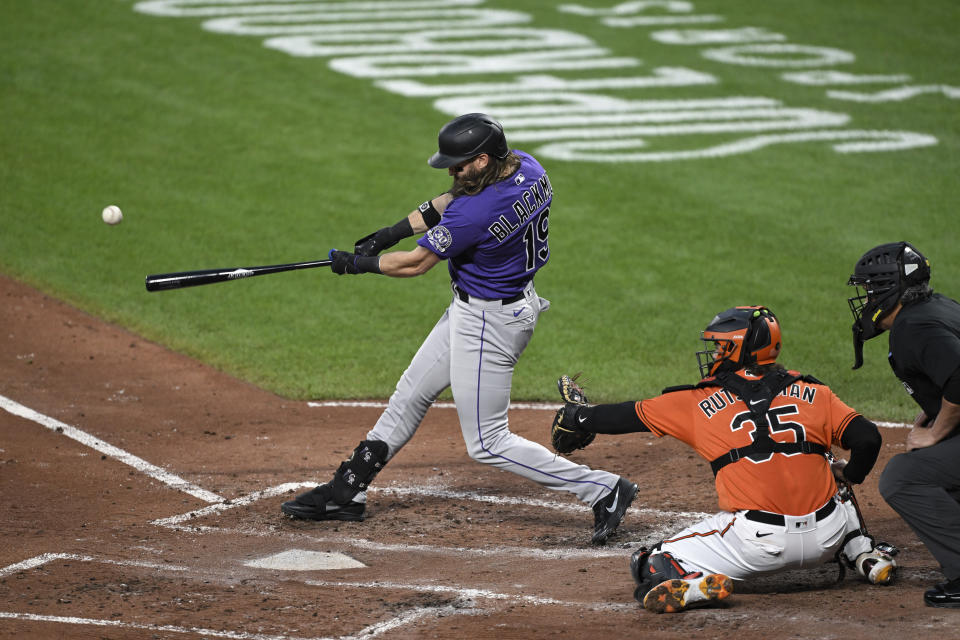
{"x":609,"y":511}
{"x":317,"y":504}
{"x":945,"y":594}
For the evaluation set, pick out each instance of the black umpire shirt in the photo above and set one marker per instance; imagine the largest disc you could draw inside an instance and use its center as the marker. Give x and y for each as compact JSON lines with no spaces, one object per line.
{"x":925,"y":349}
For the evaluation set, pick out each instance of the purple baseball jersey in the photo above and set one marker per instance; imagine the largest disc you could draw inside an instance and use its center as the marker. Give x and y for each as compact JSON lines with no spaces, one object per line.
{"x":494,"y":242}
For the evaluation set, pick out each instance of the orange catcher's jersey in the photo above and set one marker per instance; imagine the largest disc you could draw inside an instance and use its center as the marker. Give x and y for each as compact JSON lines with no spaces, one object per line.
{"x":713,"y":421}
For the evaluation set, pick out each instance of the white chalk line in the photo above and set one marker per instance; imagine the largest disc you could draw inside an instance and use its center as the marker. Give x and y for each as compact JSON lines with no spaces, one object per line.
{"x":652,"y":534}
{"x":464,"y":594}
{"x":438,"y":492}
{"x":534,"y":406}
{"x":413,"y":490}
{"x":155,"y":472}
{"x":621,"y":549}
{"x":464,"y":605}
{"x":250,"y":498}
{"x":471,"y":594}
{"x":408,"y":617}
{"x":371,"y":631}
{"x":894,"y":425}
{"x":38,"y":561}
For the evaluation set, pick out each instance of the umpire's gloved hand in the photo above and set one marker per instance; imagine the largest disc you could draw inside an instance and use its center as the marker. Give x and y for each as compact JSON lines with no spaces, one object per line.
{"x":342,"y":262}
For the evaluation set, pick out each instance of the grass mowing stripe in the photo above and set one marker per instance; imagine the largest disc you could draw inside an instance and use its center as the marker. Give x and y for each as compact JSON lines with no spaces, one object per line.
{"x":222,"y":151}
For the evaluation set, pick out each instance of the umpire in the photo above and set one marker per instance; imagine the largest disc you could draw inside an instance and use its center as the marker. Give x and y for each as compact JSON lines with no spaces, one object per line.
{"x":923,"y":484}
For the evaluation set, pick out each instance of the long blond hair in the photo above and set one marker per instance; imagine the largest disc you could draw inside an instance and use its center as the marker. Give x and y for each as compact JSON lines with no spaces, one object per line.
{"x":496,"y":170}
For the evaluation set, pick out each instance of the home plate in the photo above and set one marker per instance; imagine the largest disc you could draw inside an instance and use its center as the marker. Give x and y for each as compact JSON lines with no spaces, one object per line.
{"x":302,"y":560}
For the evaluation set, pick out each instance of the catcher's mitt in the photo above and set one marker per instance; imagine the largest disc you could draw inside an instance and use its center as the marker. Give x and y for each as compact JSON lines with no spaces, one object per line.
{"x":565,"y":435}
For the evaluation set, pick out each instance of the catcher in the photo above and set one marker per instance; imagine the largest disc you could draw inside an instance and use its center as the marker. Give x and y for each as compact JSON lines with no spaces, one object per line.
{"x":767,"y":433}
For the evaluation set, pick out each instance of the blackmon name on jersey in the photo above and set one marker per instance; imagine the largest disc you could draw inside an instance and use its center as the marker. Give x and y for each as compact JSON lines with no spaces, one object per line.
{"x":529,"y":203}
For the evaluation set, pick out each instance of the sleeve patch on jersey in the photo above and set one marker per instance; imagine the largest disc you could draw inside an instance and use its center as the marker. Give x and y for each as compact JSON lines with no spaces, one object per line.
{"x":440,"y":238}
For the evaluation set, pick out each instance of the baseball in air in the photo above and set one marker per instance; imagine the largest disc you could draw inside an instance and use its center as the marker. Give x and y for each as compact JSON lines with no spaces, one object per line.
{"x":112,"y":214}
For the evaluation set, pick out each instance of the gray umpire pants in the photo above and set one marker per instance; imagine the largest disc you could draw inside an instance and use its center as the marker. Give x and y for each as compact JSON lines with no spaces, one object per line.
{"x":923,"y":486}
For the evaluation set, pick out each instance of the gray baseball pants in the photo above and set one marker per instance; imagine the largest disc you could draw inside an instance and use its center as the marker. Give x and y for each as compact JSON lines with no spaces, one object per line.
{"x":473,"y":349}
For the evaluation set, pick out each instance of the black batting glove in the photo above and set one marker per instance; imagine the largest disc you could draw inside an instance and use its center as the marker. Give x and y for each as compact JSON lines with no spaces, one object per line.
{"x":342,"y":262}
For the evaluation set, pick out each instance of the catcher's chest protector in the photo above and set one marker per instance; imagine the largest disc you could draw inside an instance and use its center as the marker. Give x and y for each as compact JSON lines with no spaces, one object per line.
{"x":757,"y":396}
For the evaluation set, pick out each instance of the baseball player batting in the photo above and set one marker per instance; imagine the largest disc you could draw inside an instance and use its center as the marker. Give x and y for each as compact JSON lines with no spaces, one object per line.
{"x":767,"y":433}
{"x":492,"y":229}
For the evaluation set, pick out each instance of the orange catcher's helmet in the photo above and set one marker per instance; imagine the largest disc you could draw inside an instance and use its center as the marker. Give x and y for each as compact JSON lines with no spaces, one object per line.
{"x":740,"y":337}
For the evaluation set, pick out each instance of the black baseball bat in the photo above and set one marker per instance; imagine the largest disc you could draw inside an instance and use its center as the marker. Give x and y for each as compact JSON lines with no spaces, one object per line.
{"x":164,"y":281}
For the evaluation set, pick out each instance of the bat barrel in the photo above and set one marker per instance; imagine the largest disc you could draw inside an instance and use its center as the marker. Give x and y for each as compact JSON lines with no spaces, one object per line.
{"x":180,"y":279}
{"x":164,"y":281}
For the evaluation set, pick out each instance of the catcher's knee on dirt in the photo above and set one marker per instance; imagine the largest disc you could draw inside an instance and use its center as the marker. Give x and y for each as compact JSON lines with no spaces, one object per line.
{"x":356,"y":472}
{"x":650,"y":567}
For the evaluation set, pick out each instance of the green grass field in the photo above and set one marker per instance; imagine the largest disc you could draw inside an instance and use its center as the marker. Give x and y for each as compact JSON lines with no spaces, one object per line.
{"x":223,"y":152}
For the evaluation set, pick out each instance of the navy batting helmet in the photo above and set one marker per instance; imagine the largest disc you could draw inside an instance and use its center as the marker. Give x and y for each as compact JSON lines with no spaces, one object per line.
{"x":467,"y":137}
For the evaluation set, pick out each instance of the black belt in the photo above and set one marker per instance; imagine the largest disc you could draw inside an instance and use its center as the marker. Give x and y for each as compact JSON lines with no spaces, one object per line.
{"x":463,"y":295}
{"x":775,"y":518}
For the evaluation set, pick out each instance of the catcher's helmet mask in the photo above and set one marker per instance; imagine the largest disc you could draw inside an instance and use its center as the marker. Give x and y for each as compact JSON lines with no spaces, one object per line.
{"x":466,"y":137}
{"x":740,"y":337}
{"x":884,"y":273}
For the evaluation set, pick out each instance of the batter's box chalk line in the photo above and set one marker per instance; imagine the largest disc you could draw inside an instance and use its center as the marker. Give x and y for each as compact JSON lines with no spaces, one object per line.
{"x":39,"y":561}
{"x":465,"y":594}
{"x":670,"y":521}
{"x":162,"y":475}
{"x":371,"y":631}
{"x":463,"y":606}
{"x":465,"y":603}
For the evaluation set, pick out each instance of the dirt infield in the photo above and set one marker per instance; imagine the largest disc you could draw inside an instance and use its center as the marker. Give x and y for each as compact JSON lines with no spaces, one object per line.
{"x":140,"y":494}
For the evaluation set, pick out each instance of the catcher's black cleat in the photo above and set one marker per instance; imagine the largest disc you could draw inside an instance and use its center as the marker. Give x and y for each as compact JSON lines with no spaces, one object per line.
{"x":316,"y":504}
{"x":609,"y":511}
